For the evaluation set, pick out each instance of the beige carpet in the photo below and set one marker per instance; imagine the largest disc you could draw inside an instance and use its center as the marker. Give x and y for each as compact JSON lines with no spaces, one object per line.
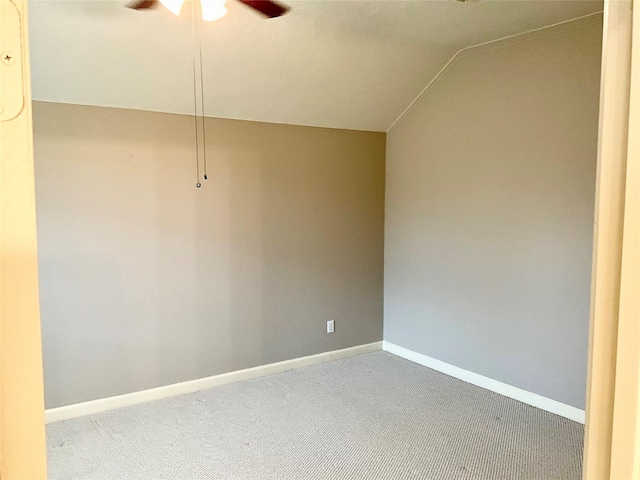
{"x":370,"y":417}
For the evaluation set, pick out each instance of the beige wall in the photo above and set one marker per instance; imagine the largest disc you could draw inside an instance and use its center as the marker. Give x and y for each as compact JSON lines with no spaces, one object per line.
{"x":147,"y":281}
{"x":489,"y":213}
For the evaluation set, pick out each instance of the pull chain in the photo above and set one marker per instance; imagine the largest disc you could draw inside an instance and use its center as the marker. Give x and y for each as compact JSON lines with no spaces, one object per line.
{"x":195,"y":93}
{"x":204,"y":138}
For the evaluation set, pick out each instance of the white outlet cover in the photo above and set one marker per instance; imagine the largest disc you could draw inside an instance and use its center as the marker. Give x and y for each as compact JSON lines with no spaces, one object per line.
{"x":331,"y":326}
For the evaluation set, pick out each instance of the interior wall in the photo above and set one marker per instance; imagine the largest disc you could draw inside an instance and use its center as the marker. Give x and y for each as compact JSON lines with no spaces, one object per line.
{"x":489,"y":213}
{"x":146,"y":280}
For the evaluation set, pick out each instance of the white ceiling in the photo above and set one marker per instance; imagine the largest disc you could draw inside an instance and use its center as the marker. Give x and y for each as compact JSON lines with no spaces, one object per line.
{"x":353,"y":64}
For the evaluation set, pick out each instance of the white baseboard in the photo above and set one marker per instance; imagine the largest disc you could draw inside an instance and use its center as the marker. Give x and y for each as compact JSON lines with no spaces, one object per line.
{"x":524,"y":396}
{"x":110,"y":403}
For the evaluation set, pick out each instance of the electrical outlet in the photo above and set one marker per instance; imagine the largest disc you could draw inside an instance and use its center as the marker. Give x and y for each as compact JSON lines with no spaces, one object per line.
{"x":331,"y":326}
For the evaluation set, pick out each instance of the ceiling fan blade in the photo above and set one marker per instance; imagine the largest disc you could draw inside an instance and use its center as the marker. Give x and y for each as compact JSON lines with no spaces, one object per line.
{"x":143,"y":4}
{"x":266,"y":7}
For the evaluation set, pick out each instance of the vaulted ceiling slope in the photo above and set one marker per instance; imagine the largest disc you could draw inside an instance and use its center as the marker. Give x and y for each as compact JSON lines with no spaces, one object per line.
{"x":354,"y":64}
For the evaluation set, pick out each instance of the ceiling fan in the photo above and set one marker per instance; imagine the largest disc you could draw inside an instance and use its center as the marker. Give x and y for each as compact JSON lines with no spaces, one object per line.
{"x":209,"y":10}
{"x":214,"y":9}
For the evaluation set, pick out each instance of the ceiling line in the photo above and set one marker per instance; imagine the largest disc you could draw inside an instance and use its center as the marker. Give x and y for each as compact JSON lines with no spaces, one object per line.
{"x":460,"y":53}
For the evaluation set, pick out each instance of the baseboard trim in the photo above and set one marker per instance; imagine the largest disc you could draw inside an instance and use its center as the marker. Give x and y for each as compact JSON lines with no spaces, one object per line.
{"x":128,"y":399}
{"x":533,"y":399}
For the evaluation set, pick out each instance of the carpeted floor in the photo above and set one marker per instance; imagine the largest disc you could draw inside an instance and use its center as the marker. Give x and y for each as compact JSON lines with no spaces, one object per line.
{"x":371,"y":417}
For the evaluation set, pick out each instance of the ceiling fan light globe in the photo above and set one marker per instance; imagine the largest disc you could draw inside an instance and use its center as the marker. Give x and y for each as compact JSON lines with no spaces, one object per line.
{"x":174,"y":6}
{"x":212,"y":9}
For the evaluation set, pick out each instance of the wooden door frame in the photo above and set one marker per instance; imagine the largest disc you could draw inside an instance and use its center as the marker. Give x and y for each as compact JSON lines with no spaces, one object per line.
{"x":612,"y":434}
{"x":22,"y":440}
{"x":625,"y":449}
